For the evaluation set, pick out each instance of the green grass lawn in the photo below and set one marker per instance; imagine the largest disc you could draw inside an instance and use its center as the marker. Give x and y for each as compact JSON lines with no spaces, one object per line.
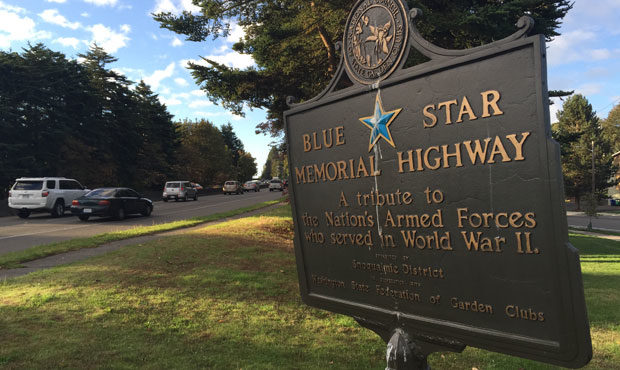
{"x":226,"y":297}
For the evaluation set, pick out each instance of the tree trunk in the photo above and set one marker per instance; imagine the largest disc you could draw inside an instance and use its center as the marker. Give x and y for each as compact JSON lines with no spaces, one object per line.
{"x":331,"y":50}
{"x":327,"y":42}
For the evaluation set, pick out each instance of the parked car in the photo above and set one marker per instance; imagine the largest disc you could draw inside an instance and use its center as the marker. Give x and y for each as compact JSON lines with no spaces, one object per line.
{"x":114,"y":202}
{"x":44,"y":194}
{"x":231,"y":187}
{"x":251,"y":186}
{"x":179,"y":190}
{"x":197,"y":186}
{"x":275,"y":184}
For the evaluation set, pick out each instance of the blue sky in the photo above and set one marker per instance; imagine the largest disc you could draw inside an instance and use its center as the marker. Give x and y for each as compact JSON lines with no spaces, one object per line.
{"x":586,"y":58}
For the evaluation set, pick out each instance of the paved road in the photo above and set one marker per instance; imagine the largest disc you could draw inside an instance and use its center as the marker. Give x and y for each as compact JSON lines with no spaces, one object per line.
{"x":18,"y":234}
{"x":602,"y":222}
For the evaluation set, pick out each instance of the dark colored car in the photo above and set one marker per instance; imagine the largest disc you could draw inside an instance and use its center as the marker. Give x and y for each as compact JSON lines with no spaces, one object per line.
{"x":111,"y":202}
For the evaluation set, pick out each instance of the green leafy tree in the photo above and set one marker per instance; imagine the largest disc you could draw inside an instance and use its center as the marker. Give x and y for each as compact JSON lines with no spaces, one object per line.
{"x":293,"y":42}
{"x":266,"y":174}
{"x":578,"y":131}
{"x":246,"y":167}
{"x":276,"y":164}
{"x":202,"y":155}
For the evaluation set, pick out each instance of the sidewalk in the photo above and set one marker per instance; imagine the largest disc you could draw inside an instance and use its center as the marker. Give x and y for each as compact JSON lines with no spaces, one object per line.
{"x":82,"y":254}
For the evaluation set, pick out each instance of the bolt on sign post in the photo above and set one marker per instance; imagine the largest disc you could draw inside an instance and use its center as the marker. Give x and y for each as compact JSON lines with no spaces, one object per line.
{"x":428,"y":201}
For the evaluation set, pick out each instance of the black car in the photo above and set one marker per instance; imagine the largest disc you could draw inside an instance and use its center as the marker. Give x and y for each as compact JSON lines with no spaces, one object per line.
{"x":114,"y":202}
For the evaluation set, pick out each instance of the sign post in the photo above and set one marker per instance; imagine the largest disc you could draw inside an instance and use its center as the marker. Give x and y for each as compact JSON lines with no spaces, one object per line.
{"x":428,"y":201}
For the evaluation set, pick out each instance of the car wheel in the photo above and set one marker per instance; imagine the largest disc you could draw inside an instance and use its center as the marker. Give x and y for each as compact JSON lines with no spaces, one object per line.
{"x":196,"y":196}
{"x":119,"y":214}
{"x":59,"y":208}
{"x":165,"y":199}
{"x":185,"y":198}
{"x":23,"y":214}
{"x":147,"y":211}
{"x":84,"y":217}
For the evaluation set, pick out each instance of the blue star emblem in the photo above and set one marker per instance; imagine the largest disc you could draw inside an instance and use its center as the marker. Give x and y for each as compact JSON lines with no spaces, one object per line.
{"x":379,"y":124}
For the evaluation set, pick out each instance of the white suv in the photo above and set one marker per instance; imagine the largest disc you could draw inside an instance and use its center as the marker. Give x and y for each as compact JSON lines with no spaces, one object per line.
{"x":44,"y":194}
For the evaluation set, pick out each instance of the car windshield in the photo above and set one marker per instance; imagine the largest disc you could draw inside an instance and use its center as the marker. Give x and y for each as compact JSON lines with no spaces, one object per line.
{"x":229,"y":183}
{"x":173,"y":185}
{"x":104,"y":193}
{"x":28,"y":185}
{"x":275,"y":181}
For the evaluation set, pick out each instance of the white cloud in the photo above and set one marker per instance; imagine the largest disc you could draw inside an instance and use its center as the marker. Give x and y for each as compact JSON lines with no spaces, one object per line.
{"x":107,"y":38}
{"x":169,"y":101}
{"x":554,"y":108}
{"x":568,"y":47}
{"x":589,"y":89}
{"x":231,"y":59}
{"x":68,"y":41}
{"x":600,"y":54}
{"x":85,"y":15}
{"x":11,"y":8}
{"x":176,"y":42}
{"x":236,"y":33}
{"x":102,"y":2}
{"x":125,"y":28}
{"x":175,"y":6}
{"x":200,"y":104}
{"x":182,"y":95}
{"x":155,"y":79}
{"x":57,"y":1}
{"x":54,"y":17}
{"x":197,"y":92}
{"x":181,"y":81}
{"x":154,"y":36}
{"x":14,"y":27}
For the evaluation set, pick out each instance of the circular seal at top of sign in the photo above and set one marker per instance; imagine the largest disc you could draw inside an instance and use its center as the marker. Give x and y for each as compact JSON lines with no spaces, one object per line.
{"x":375,"y":39}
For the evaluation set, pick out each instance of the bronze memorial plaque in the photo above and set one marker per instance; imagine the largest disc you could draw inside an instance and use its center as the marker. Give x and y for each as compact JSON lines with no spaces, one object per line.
{"x":430,"y":199}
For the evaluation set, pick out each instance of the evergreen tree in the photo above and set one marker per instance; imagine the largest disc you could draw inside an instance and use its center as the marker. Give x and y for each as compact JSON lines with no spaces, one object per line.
{"x":234,"y":144}
{"x":116,"y":118}
{"x":578,"y":131}
{"x":293,"y":42}
{"x":154,"y":123}
{"x":611,"y":128}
